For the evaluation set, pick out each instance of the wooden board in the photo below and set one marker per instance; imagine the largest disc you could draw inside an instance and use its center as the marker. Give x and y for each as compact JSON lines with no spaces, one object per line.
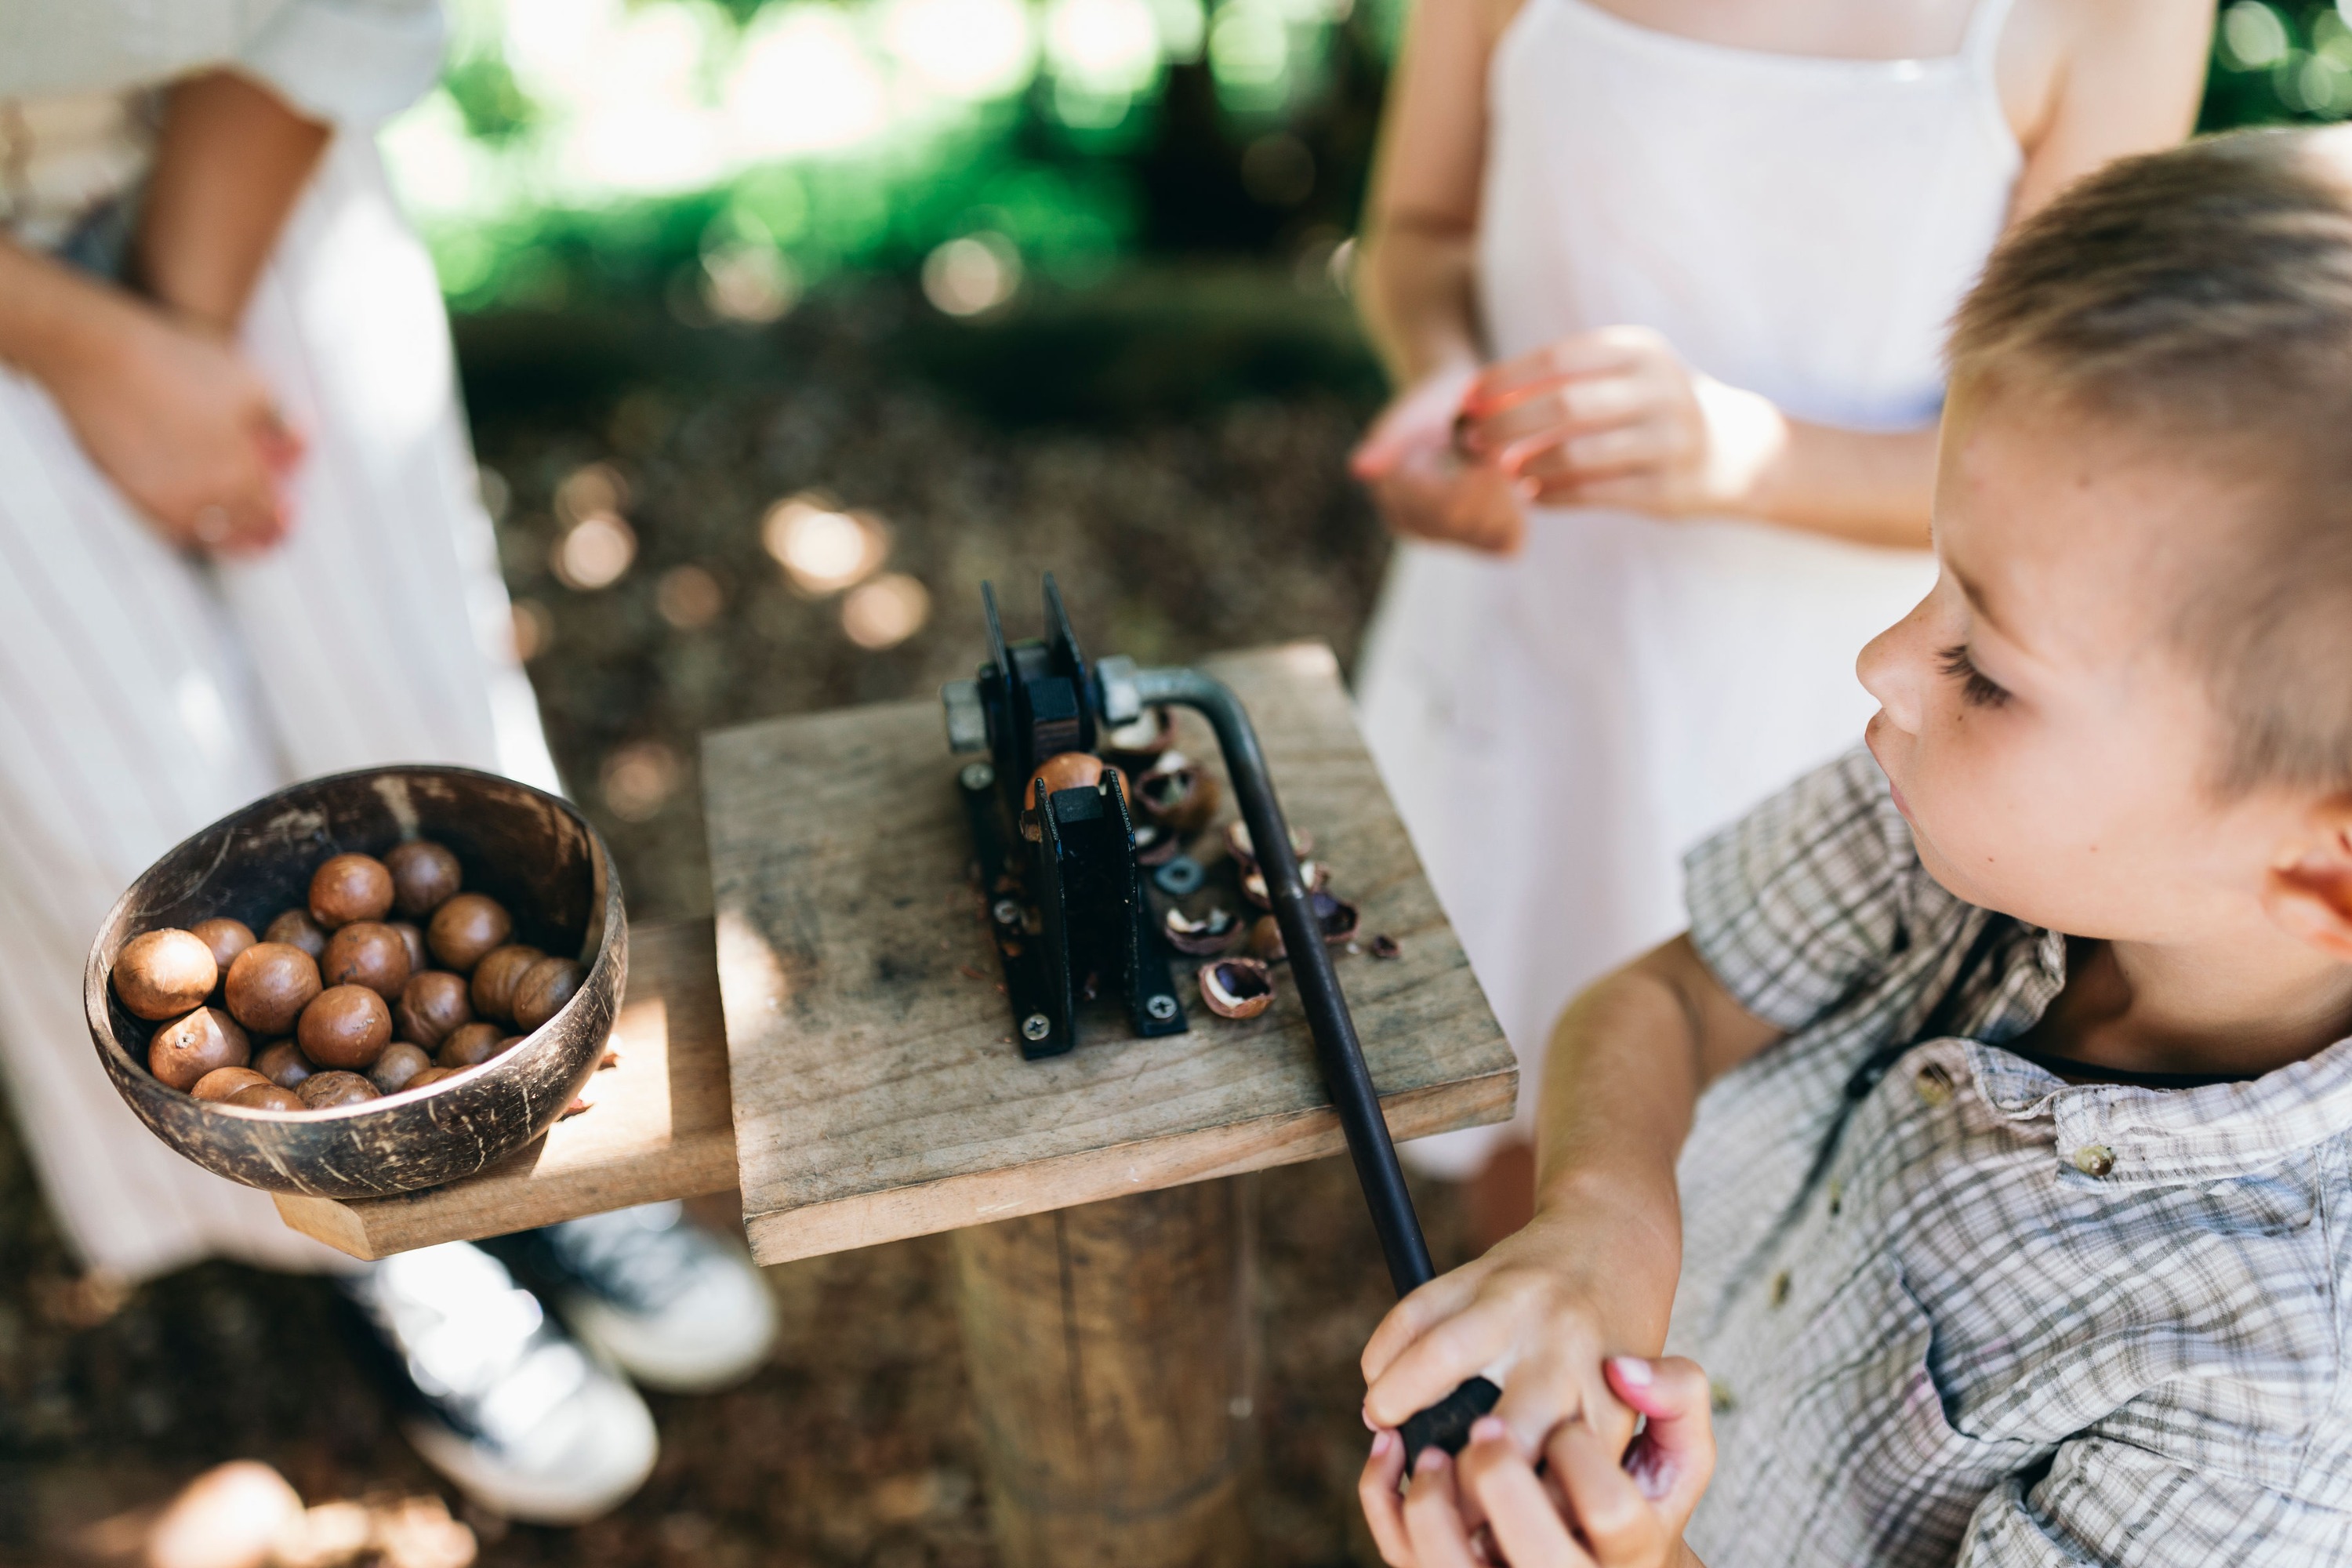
{"x":659,"y":1126}
{"x":878,"y":1091}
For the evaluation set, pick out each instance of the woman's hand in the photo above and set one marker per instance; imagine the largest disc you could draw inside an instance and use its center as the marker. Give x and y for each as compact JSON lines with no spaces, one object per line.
{"x":1594,"y":1505}
{"x":1615,"y":419}
{"x":1423,"y":483}
{"x":180,"y":422}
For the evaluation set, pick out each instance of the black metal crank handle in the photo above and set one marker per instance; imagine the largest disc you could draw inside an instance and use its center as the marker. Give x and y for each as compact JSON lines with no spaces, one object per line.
{"x":1338,"y":1052}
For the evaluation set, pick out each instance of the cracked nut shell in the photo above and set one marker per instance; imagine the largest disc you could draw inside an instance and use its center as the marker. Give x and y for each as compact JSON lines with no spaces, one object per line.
{"x":344,"y":1026}
{"x":162,"y":974}
{"x":186,"y":1049}
{"x":1237,"y":987}
{"x":349,"y":888}
{"x":268,"y":986}
{"x":466,"y":929}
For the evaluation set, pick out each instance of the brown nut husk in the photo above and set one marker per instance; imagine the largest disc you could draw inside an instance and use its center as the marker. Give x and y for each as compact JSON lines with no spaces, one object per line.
{"x":412,"y":937}
{"x":1155,"y":845}
{"x":369,"y":953}
{"x":1213,"y":933}
{"x":1176,"y":792}
{"x":543,"y":990}
{"x":466,"y":929}
{"x":344,"y":1026}
{"x":425,"y":875}
{"x":1337,"y":916}
{"x":323,"y":1091}
{"x":430,"y":1006}
{"x":349,"y":888}
{"x":1383,"y":945}
{"x":225,"y":937}
{"x":1313,"y":874}
{"x":1237,"y":987}
{"x":221,"y":1083}
{"x":283,"y":1064}
{"x":1139,"y":744}
{"x":162,"y":974}
{"x":266,"y":1097}
{"x":1244,"y":853}
{"x":295,"y":928}
{"x":186,"y":1048}
{"x":268,"y":986}
{"x":471,"y":1044}
{"x":495,"y":976}
{"x":1265,"y":940}
{"x":398,"y":1066}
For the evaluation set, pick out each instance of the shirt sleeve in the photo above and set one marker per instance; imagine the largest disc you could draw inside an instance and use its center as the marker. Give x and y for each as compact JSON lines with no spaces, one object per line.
{"x":1794,"y":902}
{"x":2117,"y":1505}
{"x":353,"y":63}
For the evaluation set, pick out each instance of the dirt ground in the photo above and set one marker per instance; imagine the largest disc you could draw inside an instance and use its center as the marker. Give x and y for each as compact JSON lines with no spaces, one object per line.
{"x":1183,"y":473}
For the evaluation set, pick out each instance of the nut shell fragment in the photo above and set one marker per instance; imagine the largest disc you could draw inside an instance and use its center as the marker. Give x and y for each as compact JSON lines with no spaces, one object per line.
{"x":1265,"y":940}
{"x":1245,"y":852}
{"x":1315,"y":875}
{"x":1212,"y":933}
{"x":1337,"y":916}
{"x":1237,"y":987}
{"x":1176,"y":792}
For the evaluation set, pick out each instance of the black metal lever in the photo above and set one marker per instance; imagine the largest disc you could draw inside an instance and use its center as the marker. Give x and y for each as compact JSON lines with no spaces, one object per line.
{"x":1338,"y":1052}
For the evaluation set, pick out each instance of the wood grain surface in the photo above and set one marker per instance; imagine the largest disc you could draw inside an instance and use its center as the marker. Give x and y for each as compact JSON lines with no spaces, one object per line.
{"x":657,"y":1126}
{"x":877,"y":1092}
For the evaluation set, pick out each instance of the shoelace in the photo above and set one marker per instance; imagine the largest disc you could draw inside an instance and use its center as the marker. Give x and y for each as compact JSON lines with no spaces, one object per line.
{"x":475,"y":1341}
{"x":644,"y":1258}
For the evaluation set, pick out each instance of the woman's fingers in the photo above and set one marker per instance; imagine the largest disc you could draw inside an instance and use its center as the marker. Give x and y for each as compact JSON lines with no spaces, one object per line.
{"x":1518,"y":1507}
{"x":1447,"y":1351}
{"x":1383,"y":1505}
{"x":1674,"y":1458}
{"x":1610,"y":1510}
{"x":1576,"y":408}
{"x":1610,"y":348}
{"x":1433,"y":1525}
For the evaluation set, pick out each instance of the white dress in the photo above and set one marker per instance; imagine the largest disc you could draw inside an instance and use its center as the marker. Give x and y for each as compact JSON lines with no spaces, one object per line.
{"x":1559,"y":727}
{"x":146,"y":692}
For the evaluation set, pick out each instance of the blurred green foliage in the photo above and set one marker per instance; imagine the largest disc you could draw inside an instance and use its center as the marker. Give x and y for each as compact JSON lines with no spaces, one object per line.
{"x":725,"y":155}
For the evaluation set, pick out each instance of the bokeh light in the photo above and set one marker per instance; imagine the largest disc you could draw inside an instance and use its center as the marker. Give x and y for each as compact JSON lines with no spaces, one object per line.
{"x":688,"y":597}
{"x":1105,"y":47}
{"x":534,"y":629}
{"x":803,"y":83}
{"x":594,"y":552}
{"x":590,"y":488}
{"x":821,"y":548}
{"x":639,"y":779}
{"x":965,"y":49}
{"x":749,"y":282}
{"x":973,"y":275}
{"x":886,"y":612}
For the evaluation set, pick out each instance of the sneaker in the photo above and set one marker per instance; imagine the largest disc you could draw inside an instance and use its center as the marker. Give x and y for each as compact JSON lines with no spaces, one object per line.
{"x":499,"y":1399}
{"x":660,"y":1298}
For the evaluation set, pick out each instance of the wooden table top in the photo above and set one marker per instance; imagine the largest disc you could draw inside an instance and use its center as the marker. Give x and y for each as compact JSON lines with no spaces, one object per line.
{"x":877,"y":1092}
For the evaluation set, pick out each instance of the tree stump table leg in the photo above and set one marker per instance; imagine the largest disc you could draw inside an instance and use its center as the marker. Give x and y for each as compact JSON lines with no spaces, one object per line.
{"x":1112,"y":1349}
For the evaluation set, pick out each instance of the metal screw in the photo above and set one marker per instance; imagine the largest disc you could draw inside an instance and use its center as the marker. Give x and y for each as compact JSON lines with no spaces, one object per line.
{"x":1162,"y":1007}
{"x":977,"y":776}
{"x":1037,"y":1026}
{"x":1007,"y":913}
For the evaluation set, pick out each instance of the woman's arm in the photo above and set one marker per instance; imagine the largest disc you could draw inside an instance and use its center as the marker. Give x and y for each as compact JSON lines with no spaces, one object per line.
{"x":232,"y":162}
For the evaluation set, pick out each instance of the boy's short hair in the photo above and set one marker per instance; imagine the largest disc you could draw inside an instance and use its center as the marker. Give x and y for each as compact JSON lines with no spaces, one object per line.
{"x":2203,"y":295}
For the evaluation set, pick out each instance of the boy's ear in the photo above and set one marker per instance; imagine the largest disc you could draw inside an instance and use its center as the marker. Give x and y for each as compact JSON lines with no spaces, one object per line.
{"x":2308,"y":891}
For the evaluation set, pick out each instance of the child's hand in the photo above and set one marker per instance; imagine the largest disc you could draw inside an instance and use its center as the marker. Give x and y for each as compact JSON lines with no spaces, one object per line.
{"x":1590,"y":1507}
{"x":182,"y":425}
{"x":1424,"y":487}
{"x":1615,"y":419}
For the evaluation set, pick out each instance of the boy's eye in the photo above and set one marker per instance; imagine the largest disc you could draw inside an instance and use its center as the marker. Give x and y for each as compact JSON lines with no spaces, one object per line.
{"x":1975,"y":689}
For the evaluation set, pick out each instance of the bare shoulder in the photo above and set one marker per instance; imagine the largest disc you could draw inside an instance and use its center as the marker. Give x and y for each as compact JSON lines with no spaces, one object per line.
{"x":2047,"y":46}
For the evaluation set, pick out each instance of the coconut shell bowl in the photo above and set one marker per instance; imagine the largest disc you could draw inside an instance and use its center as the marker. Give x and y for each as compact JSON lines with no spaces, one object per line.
{"x":531,"y":852}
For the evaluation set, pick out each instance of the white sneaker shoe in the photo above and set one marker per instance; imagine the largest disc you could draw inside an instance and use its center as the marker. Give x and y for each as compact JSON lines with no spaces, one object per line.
{"x":503,"y":1402}
{"x":661,"y":1300}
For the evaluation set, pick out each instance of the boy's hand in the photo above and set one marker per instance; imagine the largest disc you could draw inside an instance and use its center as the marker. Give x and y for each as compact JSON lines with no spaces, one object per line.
{"x":182,"y":425}
{"x":1593,"y":1506}
{"x":1423,"y":484}
{"x":1615,"y":419}
{"x":1539,"y":1313}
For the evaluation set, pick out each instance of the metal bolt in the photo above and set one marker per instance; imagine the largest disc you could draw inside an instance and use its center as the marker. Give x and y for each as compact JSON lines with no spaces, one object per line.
{"x":1162,"y":1007}
{"x":977,"y":776}
{"x":1006,"y":911}
{"x":1037,"y":1026}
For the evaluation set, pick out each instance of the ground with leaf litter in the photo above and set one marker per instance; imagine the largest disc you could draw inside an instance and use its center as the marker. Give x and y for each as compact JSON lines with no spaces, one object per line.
{"x":1177,"y":459}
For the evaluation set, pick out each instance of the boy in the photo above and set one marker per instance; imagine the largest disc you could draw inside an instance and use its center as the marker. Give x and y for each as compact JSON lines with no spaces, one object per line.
{"x":2000,"y":1246}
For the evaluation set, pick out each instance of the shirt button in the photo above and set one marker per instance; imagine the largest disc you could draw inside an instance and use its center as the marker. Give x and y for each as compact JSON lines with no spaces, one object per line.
{"x":1780,"y":1288}
{"x":2094,"y":1159}
{"x":1837,"y":1198}
{"x":1934,"y":1083}
{"x":1718,"y":1395}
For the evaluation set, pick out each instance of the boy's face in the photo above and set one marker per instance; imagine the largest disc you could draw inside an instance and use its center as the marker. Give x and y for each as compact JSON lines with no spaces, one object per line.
{"x":2051,"y":749}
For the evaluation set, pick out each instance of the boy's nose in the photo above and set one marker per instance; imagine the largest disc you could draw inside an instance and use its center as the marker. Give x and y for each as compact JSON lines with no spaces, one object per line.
{"x":1891,"y":667}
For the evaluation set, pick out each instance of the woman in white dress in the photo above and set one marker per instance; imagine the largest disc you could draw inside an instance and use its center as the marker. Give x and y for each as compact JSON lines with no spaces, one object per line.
{"x":240,"y":544}
{"x":1663,"y":286}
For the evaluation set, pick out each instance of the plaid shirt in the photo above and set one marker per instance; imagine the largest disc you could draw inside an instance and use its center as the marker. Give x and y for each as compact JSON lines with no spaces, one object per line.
{"x":1958,"y":1310}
